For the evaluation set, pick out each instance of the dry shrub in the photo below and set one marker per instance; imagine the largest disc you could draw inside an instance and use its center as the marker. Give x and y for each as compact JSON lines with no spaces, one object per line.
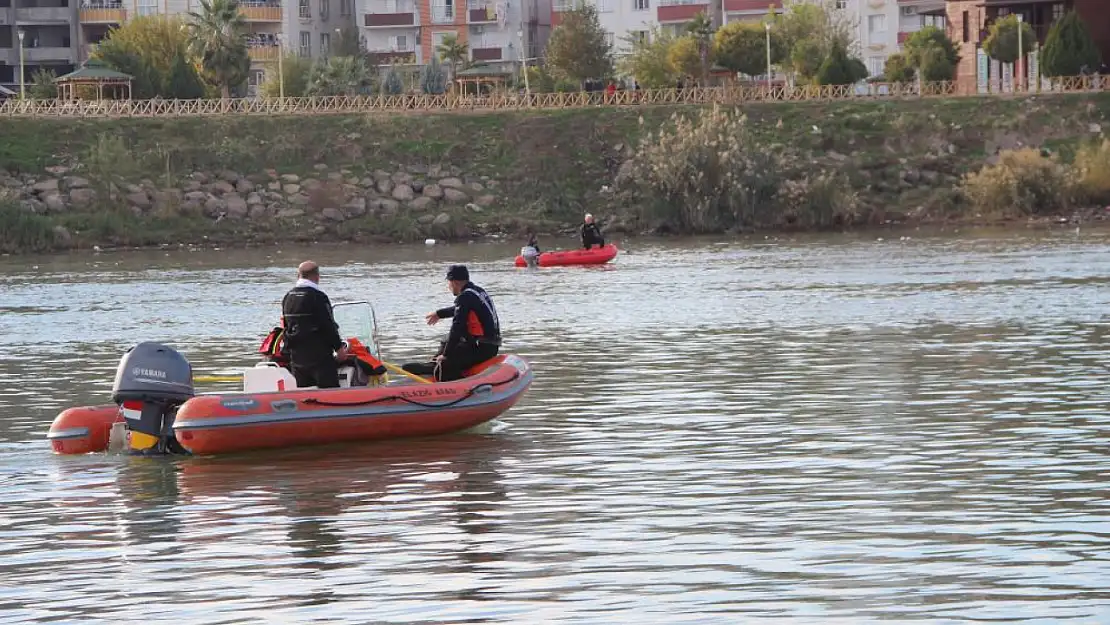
{"x":1092,"y":171}
{"x":1023,"y":182}
{"x":706,"y":173}
{"x":819,"y":200}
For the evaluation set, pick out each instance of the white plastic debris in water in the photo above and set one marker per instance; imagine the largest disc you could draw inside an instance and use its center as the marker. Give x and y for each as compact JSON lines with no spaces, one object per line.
{"x":429,"y":241}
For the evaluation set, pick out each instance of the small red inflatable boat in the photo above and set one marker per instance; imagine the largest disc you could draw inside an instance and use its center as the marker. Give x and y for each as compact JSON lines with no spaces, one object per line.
{"x":592,"y":256}
{"x":221,"y":423}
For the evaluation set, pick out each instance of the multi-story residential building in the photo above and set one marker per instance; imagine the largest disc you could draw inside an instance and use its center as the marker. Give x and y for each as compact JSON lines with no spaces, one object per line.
{"x":623,"y":19}
{"x":497,"y":32}
{"x":969,"y":25}
{"x":49,"y":29}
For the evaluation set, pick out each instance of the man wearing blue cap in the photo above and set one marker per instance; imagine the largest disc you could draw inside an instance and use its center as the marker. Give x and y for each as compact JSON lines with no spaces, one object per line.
{"x":475,"y":330}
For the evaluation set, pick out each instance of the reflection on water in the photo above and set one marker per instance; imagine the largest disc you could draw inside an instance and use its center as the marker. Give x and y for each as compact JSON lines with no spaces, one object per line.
{"x":829,"y":431}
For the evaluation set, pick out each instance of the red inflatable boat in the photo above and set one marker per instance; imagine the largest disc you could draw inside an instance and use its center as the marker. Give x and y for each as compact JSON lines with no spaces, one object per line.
{"x":229,"y":422}
{"x":592,"y":256}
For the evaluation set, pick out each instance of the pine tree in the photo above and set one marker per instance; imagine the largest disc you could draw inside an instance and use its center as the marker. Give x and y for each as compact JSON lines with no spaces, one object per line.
{"x":1068,"y":48}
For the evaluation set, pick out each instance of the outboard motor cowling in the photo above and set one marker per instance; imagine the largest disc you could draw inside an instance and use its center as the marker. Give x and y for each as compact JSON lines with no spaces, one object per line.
{"x":152,"y":381}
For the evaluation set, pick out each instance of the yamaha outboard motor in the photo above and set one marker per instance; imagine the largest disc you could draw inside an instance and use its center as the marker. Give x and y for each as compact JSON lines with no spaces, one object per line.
{"x":152,"y":382}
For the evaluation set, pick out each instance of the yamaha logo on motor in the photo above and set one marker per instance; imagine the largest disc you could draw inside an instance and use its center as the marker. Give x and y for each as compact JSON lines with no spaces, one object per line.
{"x":149,"y":373}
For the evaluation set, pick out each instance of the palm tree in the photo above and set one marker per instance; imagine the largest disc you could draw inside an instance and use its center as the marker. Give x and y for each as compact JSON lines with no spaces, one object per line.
{"x":218,"y":36}
{"x":453,"y":51}
{"x":701,"y":27}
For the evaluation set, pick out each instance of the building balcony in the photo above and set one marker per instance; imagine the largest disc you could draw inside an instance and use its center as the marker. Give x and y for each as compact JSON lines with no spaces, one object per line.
{"x":481,"y":15}
{"x":43,"y":15}
{"x":48,"y":55}
{"x":487,"y":54}
{"x":104,"y":15}
{"x":561,"y":6}
{"x":680,"y":10}
{"x":389,"y":57}
{"x":263,"y":54}
{"x":255,"y":11}
{"x":752,"y":7}
{"x":390,"y":20}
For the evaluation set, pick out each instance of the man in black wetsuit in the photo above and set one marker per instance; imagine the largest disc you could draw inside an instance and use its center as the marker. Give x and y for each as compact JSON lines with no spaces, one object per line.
{"x":475,"y":330}
{"x":591,"y":234}
{"x":311,"y":334}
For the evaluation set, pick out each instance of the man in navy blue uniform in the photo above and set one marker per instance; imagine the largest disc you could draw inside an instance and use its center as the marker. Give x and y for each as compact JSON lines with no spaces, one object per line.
{"x":475,"y":335}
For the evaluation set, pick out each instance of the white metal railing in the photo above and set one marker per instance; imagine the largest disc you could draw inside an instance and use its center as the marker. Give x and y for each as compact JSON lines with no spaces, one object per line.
{"x":260,"y":3}
{"x":671,"y":3}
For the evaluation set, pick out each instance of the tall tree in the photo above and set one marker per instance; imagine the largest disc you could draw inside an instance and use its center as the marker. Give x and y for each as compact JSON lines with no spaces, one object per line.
{"x":454,"y":52}
{"x":218,"y":37}
{"x":392,"y":83}
{"x":742,"y":47}
{"x":147,"y":48}
{"x":687,"y":57}
{"x":578,"y":48}
{"x":702,"y":28}
{"x":433,"y":80}
{"x":649,"y":60}
{"x":1004,"y":44}
{"x":295,"y":71}
{"x":338,"y":75}
{"x":932,"y":53}
{"x":807,"y":31}
{"x":1069,"y":47}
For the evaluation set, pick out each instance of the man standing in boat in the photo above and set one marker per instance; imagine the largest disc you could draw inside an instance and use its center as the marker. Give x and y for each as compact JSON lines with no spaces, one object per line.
{"x":311,"y":334}
{"x":475,"y":329}
{"x":591,"y":234}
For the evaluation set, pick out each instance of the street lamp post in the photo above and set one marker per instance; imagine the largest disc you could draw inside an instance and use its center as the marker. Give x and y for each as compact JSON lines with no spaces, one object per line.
{"x":1021,"y":61}
{"x":523,"y":62}
{"x":767,"y":27}
{"x":281,"y":68}
{"x":22,"y":79}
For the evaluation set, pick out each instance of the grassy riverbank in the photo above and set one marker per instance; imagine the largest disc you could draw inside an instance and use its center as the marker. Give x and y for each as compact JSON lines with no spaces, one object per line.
{"x":514,"y":170}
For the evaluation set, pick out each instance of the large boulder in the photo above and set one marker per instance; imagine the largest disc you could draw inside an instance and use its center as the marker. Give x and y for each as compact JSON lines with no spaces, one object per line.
{"x":433,"y":191}
{"x":422,"y":204}
{"x":454,"y":196}
{"x":403,"y":193}
{"x":236,"y":206}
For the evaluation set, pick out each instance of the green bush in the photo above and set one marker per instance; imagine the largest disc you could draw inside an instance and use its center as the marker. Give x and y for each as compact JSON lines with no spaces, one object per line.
{"x":1068,"y":48}
{"x":1023,"y":182}
{"x":22,"y":230}
{"x":898,"y":69}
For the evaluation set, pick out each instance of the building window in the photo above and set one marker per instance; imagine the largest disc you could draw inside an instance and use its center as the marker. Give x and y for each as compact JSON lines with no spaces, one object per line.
{"x":876,"y":65}
{"x":1057,"y":12}
{"x":306,"y":43}
{"x":611,"y":39}
{"x":876,"y":24}
{"x":399,"y":43}
{"x":967,"y":27}
{"x":325,"y":44}
{"x":147,"y":7}
{"x":437,"y":39}
{"x":604,"y":6}
{"x":346,"y":7}
{"x":840,"y":4}
{"x":909,"y":11}
{"x":443,"y":12}
{"x":305,"y":11}
{"x":641,"y":5}
{"x":325,"y":9}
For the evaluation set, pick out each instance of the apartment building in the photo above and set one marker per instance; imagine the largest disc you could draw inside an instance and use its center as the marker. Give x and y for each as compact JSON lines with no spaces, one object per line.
{"x":49,"y":29}
{"x":622,"y":19}
{"x":495,"y":32}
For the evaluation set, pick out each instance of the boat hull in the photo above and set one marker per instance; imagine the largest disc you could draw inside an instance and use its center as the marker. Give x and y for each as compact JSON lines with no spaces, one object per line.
{"x":233,"y":422}
{"x":563,"y":258}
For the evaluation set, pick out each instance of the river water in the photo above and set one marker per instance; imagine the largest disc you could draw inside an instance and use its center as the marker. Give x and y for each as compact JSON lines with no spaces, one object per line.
{"x":814,"y":429}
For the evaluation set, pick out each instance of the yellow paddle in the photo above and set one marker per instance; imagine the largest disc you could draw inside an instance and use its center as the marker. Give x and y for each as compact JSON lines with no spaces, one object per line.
{"x":235,"y":378}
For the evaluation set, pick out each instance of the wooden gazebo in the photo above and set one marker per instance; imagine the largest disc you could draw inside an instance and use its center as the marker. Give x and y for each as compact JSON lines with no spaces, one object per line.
{"x":482,"y":75}
{"x":96,"y":75}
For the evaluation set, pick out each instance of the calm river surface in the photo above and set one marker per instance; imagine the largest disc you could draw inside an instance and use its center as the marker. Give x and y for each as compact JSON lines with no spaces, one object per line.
{"x":816,"y":430}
